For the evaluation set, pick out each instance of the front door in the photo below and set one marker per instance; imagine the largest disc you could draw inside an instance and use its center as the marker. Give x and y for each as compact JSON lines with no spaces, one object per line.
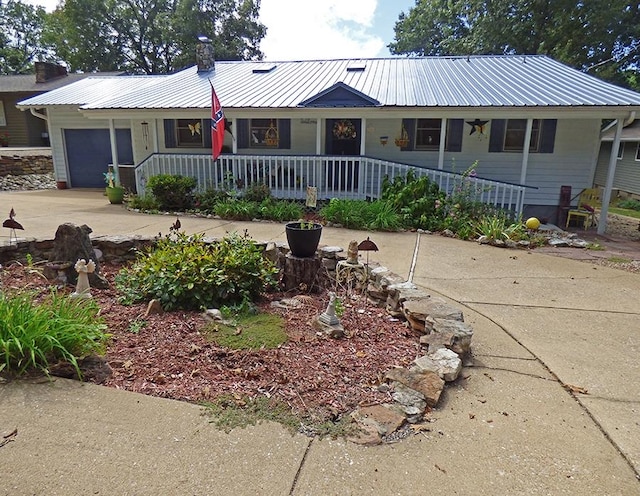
{"x":343,"y":138}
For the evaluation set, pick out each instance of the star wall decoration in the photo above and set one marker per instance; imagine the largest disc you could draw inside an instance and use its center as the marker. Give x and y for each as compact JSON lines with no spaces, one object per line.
{"x":477,"y":126}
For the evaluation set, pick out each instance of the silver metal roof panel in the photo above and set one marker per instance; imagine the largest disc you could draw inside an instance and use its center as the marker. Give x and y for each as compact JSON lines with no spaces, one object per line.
{"x":477,"y":81}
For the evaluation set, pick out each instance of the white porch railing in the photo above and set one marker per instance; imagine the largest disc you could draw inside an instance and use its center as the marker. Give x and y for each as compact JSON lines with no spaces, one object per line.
{"x":334,"y":176}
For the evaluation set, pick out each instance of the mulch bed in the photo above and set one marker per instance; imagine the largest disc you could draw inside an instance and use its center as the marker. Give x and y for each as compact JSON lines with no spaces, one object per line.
{"x":169,"y":355}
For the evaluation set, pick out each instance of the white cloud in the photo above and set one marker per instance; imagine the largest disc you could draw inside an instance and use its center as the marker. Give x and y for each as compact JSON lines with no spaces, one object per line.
{"x":312,"y":29}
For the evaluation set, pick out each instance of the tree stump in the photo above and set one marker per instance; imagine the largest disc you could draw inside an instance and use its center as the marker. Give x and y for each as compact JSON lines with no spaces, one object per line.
{"x":302,"y":273}
{"x":70,"y":245}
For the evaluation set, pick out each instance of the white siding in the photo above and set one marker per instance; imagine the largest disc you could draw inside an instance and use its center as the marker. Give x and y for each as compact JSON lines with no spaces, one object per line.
{"x":627,"y":176}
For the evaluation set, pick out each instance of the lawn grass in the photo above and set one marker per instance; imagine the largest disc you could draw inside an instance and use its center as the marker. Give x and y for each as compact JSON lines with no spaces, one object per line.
{"x":627,"y":212}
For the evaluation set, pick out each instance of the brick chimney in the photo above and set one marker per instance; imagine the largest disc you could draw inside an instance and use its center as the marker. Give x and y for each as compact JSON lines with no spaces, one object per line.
{"x":204,"y":55}
{"x":46,"y":71}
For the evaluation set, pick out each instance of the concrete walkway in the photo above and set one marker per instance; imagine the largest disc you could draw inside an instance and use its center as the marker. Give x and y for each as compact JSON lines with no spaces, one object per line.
{"x":543,"y":326}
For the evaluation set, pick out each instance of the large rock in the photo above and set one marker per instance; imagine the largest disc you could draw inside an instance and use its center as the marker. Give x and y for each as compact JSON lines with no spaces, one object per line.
{"x":421,"y":312}
{"x":452,"y":334}
{"x":448,"y":363}
{"x":375,"y":422}
{"x":426,"y":382}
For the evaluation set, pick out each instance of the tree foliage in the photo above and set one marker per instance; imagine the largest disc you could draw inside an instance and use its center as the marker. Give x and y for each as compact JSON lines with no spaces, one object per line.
{"x":21,"y":27}
{"x":136,"y":36}
{"x":600,"y":37}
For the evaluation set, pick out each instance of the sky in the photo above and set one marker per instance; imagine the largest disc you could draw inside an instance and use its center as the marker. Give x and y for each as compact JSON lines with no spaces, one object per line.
{"x":321,"y":29}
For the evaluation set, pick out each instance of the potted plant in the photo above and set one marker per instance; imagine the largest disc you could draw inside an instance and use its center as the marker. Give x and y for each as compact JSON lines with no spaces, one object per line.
{"x":303,"y":238}
{"x":115,"y":193}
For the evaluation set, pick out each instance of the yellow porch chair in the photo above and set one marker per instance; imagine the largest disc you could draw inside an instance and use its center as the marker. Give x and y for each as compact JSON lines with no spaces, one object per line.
{"x":586,"y":209}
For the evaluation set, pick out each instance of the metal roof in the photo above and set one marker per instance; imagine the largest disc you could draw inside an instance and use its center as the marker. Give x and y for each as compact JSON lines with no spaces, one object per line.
{"x":629,"y":133}
{"x":476,"y":81}
{"x":27,"y":82}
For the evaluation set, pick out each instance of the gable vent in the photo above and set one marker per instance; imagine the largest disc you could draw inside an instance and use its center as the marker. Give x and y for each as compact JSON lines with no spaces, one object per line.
{"x":263,"y":68}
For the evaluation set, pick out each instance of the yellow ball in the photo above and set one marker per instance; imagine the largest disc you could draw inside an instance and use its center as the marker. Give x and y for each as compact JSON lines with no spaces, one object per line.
{"x":532,"y":223}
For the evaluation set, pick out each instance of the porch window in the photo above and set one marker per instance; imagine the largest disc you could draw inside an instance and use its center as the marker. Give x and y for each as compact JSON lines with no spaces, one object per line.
{"x":263,"y":133}
{"x":515,"y":133}
{"x":428,"y":134}
{"x":638,"y":151}
{"x":508,"y":135}
{"x":621,"y":150}
{"x":189,"y":133}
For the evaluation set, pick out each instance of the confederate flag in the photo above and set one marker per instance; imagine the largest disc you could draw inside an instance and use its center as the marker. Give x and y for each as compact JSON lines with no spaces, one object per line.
{"x":217,"y":124}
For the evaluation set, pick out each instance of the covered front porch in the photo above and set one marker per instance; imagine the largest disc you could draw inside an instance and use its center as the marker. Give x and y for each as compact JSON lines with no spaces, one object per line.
{"x":344,"y":177}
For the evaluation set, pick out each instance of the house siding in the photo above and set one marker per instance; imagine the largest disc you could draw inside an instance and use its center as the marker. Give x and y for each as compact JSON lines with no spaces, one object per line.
{"x":627,"y":176}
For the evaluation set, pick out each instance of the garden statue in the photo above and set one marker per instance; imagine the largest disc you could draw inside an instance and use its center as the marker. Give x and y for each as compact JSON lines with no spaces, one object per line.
{"x":352,"y":253}
{"x":328,"y":322}
{"x":83,"y":268}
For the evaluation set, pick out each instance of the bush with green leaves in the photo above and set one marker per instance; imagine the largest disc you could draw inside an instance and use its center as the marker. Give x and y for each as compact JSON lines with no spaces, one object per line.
{"x":184,"y":272}
{"x":415,"y":199}
{"x":257,"y":192}
{"x":377,"y":215}
{"x":33,"y":335}
{"x":207,"y":200}
{"x":173,"y":192}
{"x":237,"y":209}
{"x":280,"y":210}
{"x":629,"y":204}
{"x":499,"y":226}
{"x":147,"y":203}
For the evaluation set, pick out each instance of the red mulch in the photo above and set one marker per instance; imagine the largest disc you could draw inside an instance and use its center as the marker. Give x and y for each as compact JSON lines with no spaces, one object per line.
{"x":171,"y":357}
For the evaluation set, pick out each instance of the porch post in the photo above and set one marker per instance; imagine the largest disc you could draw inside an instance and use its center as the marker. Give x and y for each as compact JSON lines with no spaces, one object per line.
{"x":156,"y":149}
{"x":613,"y":162}
{"x":114,"y":151}
{"x":319,"y":127}
{"x":318,"y":169}
{"x":363,"y":136}
{"x":525,"y":151}
{"x":443,"y":141}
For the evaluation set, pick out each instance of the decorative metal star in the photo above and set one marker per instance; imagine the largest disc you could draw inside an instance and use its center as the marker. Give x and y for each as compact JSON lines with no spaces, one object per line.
{"x":477,"y":125}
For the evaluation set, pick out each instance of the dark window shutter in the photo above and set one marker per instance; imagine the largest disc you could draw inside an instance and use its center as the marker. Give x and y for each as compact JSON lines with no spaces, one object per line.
{"x":329,"y":136}
{"x":454,"y":137}
{"x":284,"y":133}
{"x":169,"y":133}
{"x":496,"y":139}
{"x":242,"y":130}
{"x":548,"y":135}
{"x":410,"y":127}
{"x":206,"y":133}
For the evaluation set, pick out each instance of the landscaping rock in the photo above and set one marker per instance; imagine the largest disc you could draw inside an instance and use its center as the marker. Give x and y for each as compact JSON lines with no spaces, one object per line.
{"x":426,"y":382}
{"x":417,"y":311}
{"x":448,"y":363}
{"x":451,"y":334}
{"x":377,"y":421}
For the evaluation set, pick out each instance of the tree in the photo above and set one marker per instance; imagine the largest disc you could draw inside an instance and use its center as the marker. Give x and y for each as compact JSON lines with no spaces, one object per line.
{"x":152,"y":36}
{"x":21,"y":27}
{"x":600,"y":37}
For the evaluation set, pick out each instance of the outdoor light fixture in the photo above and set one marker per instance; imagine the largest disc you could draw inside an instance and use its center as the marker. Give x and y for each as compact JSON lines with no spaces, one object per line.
{"x":145,"y":134}
{"x":384,"y":140}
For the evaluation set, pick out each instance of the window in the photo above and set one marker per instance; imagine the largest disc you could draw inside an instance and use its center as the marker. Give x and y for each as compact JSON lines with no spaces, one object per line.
{"x":515,"y":133}
{"x":263,"y":133}
{"x":621,"y":150}
{"x":189,"y":133}
{"x":638,"y":151}
{"x":428,"y":133}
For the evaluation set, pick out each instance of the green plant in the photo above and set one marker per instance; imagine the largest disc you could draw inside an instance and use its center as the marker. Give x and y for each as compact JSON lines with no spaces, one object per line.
{"x":173,"y":192}
{"x":620,"y":260}
{"x":207,"y":200}
{"x":135,"y":326}
{"x":361,"y":214}
{"x":595,"y":246}
{"x":237,"y":209}
{"x":257,"y":192}
{"x":629,"y":204}
{"x":185,"y":272}
{"x":147,"y":202}
{"x":280,"y":210}
{"x":60,"y":328}
{"x":417,"y":199}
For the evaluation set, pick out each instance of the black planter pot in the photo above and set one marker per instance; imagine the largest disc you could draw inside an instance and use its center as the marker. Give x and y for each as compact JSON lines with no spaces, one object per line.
{"x":303,"y":238}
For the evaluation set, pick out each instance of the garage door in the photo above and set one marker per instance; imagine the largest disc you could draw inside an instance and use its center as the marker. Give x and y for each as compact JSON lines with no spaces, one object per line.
{"x":89,"y":154}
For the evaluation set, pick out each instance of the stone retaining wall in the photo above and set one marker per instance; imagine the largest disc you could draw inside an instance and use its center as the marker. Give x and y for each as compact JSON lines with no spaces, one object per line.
{"x":21,"y":165}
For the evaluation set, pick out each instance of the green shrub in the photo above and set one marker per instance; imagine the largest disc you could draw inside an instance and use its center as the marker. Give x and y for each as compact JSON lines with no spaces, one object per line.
{"x":280,"y":210}
{"x":416,"y":199}
{"x":375,"y":215}
{"x":207,"y":200}
{"x":237,"y":209}
{"x":173,"y":192}
{"x":185,"y":272}
{"x":629,"y":204}
{"x":146,"y":202}
{"x":58,"y":329}
{"x":257,"y":192}
{"x":500,"y":227}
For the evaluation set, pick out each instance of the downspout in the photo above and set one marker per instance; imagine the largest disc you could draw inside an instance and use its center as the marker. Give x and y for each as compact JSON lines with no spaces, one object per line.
{"x":613,"y":162}
{"x":39,"y":115}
